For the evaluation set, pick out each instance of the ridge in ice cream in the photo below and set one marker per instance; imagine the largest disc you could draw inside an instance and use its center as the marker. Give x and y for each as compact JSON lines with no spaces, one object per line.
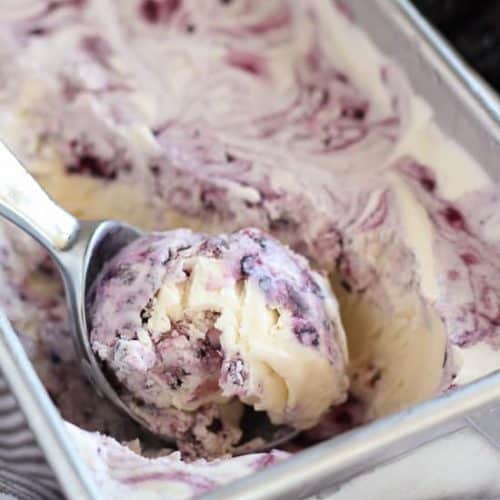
{"x":194,"y":326}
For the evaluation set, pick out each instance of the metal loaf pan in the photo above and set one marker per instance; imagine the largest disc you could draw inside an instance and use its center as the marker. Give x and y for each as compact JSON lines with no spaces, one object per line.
{"x":468,"y":111}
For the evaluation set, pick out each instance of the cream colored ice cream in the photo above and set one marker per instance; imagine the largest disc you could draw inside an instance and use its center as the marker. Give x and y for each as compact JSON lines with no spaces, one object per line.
{"x":122,"y":471}
{"x":195,"y":323}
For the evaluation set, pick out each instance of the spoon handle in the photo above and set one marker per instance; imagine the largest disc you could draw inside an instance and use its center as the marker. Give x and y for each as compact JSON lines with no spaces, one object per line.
{"x":25,"y":203}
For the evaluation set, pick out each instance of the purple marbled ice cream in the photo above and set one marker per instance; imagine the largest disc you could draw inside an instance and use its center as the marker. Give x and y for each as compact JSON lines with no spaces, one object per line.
{"x":193,"y":326}
{"x":219,"y":115}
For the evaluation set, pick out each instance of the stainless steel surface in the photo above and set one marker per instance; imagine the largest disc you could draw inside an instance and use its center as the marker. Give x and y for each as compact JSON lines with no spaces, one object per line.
{"x":331,"y":463}
{"x":43,"y":417}
{"x":27,"y":205}
{"x":80,"y":249}
{"x":465,"y":108}
{"x":477,"y":87}
{"x":487,"y":423}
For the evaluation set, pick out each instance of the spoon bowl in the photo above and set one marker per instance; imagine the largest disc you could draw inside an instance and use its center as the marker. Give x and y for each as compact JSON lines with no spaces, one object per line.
{"x":94,"y":245}
{"x":80,"y":250}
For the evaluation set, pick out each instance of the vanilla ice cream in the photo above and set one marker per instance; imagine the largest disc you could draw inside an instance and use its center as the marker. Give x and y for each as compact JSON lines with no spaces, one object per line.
{"x":193,"y":322}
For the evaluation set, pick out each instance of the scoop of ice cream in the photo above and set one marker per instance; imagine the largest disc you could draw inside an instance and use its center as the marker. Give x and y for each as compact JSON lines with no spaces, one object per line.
{"x":189,"y":322}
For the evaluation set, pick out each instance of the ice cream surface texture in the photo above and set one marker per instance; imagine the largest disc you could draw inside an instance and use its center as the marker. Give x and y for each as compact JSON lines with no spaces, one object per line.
{"x":220,"y":115}
{"x":192,"y":323}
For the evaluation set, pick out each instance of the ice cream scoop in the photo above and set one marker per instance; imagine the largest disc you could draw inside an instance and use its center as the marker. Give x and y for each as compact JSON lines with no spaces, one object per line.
{"x":195,"y":324}
{"x":80,"y":249}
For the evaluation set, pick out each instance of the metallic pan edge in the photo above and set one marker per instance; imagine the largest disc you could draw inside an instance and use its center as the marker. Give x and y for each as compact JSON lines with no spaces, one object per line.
{"x":465,"y":107}
{"x":43,"y":418}
{"x":467,"y":110}
{"x":475,"y":84}
{"x":342,"y":458}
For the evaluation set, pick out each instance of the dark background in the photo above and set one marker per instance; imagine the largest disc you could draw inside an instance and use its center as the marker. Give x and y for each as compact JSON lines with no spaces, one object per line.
{"x":473,"y":27}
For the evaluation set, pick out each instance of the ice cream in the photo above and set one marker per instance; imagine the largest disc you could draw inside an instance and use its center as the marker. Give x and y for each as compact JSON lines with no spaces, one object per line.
{"x":193,"y":326}
{"x":121,"y":470}
{"x":222,"y":115}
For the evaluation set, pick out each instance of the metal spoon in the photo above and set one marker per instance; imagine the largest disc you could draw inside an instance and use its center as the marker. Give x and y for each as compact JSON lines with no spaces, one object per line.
{"x":79,"y":249}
